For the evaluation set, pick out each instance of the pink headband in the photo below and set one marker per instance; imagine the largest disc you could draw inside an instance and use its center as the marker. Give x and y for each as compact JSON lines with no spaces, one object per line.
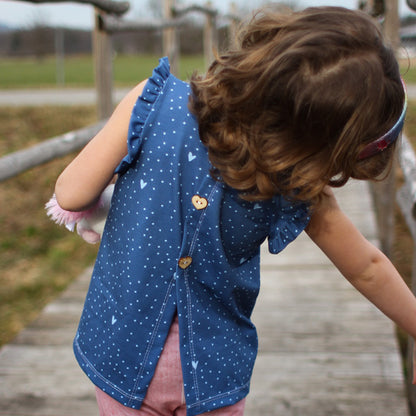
{"x":387,"y":139}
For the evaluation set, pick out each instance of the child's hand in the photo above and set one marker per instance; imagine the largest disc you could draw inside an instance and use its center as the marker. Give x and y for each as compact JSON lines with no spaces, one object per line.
{"x":89,"y":223}
{"x":87,"y":232}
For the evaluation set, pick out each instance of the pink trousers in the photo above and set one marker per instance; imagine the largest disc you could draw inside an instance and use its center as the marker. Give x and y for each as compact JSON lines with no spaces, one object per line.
{"x":165,"y":395}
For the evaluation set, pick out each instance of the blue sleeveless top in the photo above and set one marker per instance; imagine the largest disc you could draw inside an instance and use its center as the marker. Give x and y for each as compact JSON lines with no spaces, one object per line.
{"x":177,"y":241}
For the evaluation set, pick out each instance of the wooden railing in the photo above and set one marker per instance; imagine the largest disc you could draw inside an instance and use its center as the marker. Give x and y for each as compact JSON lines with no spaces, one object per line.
{"x":385,"y":195}
{"x":406,"y":198}
{"x":173,"y":18}
{"x":108,"y":6}
{"x":15,"y":163}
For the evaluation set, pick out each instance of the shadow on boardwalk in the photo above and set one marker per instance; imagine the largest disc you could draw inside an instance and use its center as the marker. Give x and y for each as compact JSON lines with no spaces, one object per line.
{"x":324,"y":350}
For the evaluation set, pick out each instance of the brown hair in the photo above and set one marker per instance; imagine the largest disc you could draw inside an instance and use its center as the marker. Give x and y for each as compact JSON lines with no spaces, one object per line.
{"x":289,"y":110}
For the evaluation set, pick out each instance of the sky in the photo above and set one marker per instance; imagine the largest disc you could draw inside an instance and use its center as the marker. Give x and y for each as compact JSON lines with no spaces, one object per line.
{"x":24,"y":14}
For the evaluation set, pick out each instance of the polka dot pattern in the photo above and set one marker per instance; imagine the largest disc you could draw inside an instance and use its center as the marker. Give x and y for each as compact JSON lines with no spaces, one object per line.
{"x":176,"y":241}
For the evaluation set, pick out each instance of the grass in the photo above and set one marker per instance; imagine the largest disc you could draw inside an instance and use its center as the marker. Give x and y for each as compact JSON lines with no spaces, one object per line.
{"x":128,"y":70}
{"x":408,"y":70}
{"x":38,"y":259}
{"x":79,"y":70}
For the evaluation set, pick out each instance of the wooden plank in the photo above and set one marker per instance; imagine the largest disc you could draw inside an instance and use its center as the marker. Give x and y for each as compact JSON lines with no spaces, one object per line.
{"x":406,"y":198}
{"x":210,"y":37}
{"x":324,"y":349}
{"x":103,"y":56}
{"x":407,"y":159}
{"x":109,"y":6}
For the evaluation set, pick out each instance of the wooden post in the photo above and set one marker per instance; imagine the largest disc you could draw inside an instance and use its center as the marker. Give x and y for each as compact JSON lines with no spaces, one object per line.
{"x":392,"y":23}
{"x":383,"y":194}
{"x":232,"y":28}
{"x":60,"y":56}
{"x":170,"y":38}
{"x":103,"y":68}
{"x":388,"y":188}
{"x":210,"y":37}
{"x":385,"y":191}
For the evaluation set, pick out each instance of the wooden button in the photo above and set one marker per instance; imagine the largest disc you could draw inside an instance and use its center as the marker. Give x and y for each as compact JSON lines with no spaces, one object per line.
{"x":185,"y":262}
{"x":199,"y":202}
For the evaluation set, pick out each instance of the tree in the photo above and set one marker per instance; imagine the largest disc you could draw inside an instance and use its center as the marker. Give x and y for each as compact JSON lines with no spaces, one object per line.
{"x":373,"y":7}
{"x":42,"y":40}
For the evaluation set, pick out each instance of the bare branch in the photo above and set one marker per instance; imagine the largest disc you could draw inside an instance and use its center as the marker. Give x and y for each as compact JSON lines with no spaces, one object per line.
{"x":108,"y":6}
{"x":181,"y":11}
{"x":112,"y":24}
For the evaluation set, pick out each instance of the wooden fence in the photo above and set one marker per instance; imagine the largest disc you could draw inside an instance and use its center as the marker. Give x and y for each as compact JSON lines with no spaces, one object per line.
{"x":108,"y":20}
{"x":173,"y":18}
{"x":406,"y":198}
{"x":25,"y":159}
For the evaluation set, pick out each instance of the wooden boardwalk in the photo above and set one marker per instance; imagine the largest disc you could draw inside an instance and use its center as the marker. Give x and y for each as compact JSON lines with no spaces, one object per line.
{"x":324,"y":350}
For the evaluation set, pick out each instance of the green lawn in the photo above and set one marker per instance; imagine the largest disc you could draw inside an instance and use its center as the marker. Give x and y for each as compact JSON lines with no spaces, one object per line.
{"x":408,"y":70}
{"x":128,"y":70}
{"x":79,"y":70}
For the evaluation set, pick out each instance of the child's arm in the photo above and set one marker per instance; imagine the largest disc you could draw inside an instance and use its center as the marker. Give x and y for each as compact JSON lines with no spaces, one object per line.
{"x":82,"y":182}
{"x":364,"y":265}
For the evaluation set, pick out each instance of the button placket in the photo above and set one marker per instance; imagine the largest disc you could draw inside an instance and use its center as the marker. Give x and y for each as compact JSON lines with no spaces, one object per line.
{"x":199,"y":204}
{"x":188,"y":276}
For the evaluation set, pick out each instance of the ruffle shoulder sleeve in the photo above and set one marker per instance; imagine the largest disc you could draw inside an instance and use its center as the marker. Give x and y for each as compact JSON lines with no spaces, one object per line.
{"x":291,"y":219}
{"x":141,"y":112}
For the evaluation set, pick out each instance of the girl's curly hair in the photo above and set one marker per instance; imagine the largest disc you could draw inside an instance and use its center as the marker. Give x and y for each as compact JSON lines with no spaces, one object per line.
{"x":289,"y":110}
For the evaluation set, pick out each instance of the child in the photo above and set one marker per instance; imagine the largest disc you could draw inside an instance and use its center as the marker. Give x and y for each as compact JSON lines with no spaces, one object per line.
{"x":307,"y":101}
